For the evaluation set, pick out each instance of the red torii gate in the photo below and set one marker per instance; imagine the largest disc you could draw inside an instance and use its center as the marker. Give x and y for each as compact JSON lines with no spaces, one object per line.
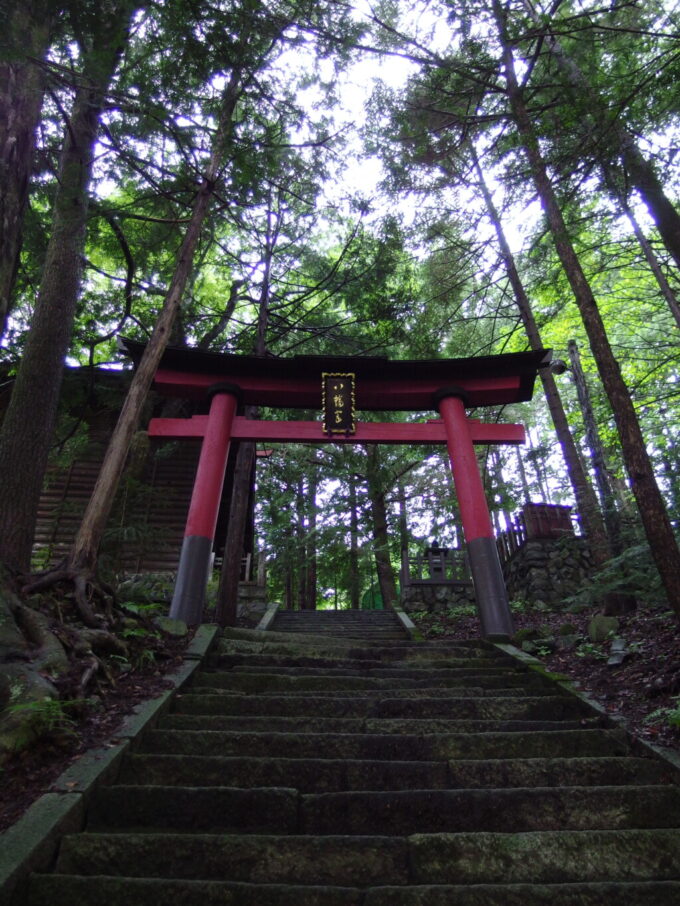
{"x":447,"y":385}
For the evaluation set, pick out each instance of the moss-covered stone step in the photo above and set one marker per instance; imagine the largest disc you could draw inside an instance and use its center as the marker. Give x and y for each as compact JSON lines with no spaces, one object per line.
{"x":500,"y":810}
{"x":435,"y":669}
{"x":316,"y":724}
{"x":539,"y":857}
{"x":404,"y":693}
{"x":545,"y":857}
{"x":327,"y":775}
{"x":400,"y":813}
{"x":476,"y":773}
{"x":268,"y":682}
{"x":653,"y":893}
{"x":342,"y":861}
{"x":308,"y":775}
{"x":224,"y":809}
{"x":437,"y":747}
{"x":257,"y":658}
{"x":67,"y":890}
{"x":557,"y":707}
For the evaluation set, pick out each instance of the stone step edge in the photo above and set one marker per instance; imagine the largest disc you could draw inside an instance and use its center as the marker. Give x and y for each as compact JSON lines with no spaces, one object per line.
{"x":31,"y":843}
{"x":213,"y":892}
{"x":637,"y":746}
{"x":406,"y":848}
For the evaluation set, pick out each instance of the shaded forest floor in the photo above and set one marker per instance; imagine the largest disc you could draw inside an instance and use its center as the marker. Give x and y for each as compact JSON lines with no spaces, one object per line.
{"x":643,"y":690}
{"x":31,"y":773}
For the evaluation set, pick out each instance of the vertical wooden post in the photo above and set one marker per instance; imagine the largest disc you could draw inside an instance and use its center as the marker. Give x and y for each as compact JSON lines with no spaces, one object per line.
{"x":487,"y":575}
{"x":192,"y":573}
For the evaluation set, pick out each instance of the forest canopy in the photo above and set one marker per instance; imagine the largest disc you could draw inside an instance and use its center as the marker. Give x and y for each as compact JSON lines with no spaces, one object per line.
{"x":412,"y":180}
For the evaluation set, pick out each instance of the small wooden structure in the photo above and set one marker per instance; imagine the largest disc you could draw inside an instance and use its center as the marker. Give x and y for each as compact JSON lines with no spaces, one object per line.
{"x":534,"y":521}
{"x":436,"y":566}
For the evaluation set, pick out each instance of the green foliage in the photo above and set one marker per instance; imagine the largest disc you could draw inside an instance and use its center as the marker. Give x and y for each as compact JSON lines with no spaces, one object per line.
{"x":633,"y":572}
{"x":669,"y":715}
{"x":49,"y":716}
{"x":593,"y":650}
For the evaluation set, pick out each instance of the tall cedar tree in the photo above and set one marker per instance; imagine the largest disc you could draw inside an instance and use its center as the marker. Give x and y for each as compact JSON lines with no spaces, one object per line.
{"x":650,"y":502}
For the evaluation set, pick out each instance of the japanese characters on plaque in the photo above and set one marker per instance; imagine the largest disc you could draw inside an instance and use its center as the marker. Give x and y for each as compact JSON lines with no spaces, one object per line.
{"x":338,"y":403}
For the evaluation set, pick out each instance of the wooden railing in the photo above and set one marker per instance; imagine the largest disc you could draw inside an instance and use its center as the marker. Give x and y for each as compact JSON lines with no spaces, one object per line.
{"x":514,"y":537}
{"x":436,"y":566}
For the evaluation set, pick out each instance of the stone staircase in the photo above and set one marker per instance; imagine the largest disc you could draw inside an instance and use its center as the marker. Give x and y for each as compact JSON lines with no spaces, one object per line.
{"x":303,"y":770}
{"x":349,"y":624}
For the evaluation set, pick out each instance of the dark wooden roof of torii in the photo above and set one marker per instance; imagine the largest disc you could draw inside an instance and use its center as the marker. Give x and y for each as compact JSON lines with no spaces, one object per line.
{"x":381,"y":383}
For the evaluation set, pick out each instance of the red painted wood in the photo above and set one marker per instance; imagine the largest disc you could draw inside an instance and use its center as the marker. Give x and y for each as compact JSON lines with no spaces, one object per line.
{"x":432,"y":432}
{"x":474,"y":511}
{"x":212,"y":464}
{"x":409,"y":394}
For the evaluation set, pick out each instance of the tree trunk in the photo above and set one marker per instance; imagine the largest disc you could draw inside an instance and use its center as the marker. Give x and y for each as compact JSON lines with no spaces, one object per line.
{"x":591,"y":520}
{"x":28,"y":427}
{"x":650,"y":503}
{"x":227,"y":594}
{"x":653,"y":263}
{"x":597,"y":455}
{"x":613,"y":134}
{"x":311,"y":589}
{"x":302,"y":545}
{"x":22,"y":82}
{"x":354,"y":579}
{"x":84,"y":551}
{"x":381,"y":540}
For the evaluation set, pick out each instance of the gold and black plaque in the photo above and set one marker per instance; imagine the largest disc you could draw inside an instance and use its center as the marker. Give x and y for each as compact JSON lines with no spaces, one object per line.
{"x":338,"y":403}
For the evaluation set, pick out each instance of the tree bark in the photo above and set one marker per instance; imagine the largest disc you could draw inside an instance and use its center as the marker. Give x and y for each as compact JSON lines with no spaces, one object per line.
{"x":381,"y":541}
{"x":227,"y":594}
{"x":301,"y":533}
{"x":311,"y":566}
{"x":22,"y":84}
{"x":86,"y":545}
{"x":28,"y":427}
{"x":662,"y":543}
{"x":354,"y":579}
{"x":597,"y":455}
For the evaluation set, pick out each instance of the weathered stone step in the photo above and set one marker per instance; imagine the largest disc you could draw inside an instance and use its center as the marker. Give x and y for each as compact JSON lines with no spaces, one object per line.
{"x":654,"y":893}
{"x":392,"y":813}
{"x":556,"y":771}
{"x":337,"y":860}
{"x":499,"y":810}
{"x":207,"y":809}
{"x":437,"y":747}
{"x":307,"y":775}
{"x":327,"y":775}
{"x":67,"y":890}
{"x":558,"y":707}
{"x":284,"y":642}
{"x":276,"y":661}
{"x":406,"y":693}
{"x":316,"y":724}
{"x":421,"y":671}
{"x":463,"y":858}
{"x":266,"y":682}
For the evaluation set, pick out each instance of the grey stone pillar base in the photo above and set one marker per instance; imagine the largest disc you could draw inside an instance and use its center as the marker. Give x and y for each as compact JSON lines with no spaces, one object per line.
{"x":492,"y":598}
{"x":188,"y":598}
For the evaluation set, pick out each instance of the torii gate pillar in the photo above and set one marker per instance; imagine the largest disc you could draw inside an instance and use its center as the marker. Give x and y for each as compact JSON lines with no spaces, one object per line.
{"x":194,"y":562}
{"x":487,"y":575}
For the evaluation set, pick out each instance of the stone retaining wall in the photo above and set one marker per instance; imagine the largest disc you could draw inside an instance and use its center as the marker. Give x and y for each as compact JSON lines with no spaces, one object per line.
{"x":542,"y":571}
{"x":548,"y":570}
{"x":435,"y":597}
